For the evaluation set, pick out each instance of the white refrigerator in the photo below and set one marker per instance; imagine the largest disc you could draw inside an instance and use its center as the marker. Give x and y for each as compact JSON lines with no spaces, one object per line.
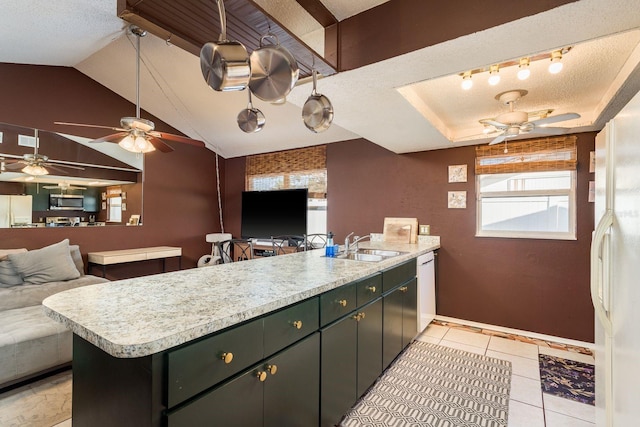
{"x":615,"y":269}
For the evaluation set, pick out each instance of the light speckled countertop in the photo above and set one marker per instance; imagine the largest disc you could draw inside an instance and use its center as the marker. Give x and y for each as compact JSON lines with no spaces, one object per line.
{"x":146,"y":315}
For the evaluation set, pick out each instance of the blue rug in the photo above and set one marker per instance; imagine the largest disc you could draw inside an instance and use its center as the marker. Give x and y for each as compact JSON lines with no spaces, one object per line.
{"x":567,"y":378}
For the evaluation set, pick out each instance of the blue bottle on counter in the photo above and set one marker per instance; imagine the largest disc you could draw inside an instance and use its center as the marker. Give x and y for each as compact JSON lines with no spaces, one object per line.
{"x":329,"y":249}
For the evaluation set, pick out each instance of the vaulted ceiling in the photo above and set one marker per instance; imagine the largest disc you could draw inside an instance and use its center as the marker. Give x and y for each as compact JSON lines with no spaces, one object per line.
{"x":408,"y":102}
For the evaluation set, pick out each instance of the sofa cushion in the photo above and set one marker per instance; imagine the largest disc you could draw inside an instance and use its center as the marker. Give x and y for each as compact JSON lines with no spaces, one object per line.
{"x":8,"y":275}
{"x":31,"y":342}
{"x":28,"y":295}
{"x":49,"y":264}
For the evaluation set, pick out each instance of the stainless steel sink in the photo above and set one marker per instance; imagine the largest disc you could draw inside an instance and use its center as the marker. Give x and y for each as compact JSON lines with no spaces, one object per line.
{"x":370,"y":255}
{"x":380,"y":252}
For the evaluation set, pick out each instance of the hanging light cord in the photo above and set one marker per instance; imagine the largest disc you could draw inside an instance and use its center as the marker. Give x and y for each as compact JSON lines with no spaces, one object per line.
{"x":219,"y":197}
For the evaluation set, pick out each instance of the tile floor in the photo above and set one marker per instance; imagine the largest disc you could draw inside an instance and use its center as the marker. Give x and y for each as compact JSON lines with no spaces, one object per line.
{"x":528,"y":406}
{"x":47,"y":403}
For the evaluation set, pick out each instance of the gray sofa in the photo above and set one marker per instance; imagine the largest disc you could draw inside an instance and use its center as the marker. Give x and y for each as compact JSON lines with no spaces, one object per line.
{"x":30,"y":342}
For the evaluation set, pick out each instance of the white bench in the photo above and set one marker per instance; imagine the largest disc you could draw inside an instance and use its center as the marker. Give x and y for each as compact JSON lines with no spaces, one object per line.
{"x":105,"y":258}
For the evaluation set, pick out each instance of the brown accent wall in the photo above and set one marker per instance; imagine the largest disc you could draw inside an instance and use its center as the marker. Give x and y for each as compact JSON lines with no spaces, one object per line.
{"x":534,"y":285}
{"x":400,"y":26}
{"x":179,"y":193}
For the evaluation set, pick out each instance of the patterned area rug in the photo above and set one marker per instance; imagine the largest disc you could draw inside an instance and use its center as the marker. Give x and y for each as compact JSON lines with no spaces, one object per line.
{"x":431,"y":385}
{"x":567,"y":378}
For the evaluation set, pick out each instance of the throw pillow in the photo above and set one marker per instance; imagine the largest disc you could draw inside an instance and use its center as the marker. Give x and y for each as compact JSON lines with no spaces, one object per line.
{"x":76,"y":256}
{"x":5,"y":252}
{"x":8,"y":276}
{"x":49,"y":264}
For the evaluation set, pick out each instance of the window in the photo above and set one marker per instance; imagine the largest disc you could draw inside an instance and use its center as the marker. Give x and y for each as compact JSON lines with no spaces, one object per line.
{"x":301,"y":168}
{"x":528,"y":192}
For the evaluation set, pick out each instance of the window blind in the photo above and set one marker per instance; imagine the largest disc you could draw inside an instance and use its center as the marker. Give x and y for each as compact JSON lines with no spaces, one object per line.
{"x":533,"y":155}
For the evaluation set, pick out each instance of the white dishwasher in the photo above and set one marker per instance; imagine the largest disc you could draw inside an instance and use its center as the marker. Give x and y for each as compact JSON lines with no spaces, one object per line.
{"x":426,"y":290}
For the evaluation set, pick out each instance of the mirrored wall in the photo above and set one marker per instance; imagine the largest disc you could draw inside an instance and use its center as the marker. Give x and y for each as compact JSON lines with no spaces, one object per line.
{"x":49,"y":179}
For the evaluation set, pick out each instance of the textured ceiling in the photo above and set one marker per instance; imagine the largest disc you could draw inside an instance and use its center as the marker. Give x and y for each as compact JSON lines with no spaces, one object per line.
{"x":600,"y":74}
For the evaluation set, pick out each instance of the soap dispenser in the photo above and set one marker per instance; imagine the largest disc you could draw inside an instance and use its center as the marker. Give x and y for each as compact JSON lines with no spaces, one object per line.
{"x":329,"y":250}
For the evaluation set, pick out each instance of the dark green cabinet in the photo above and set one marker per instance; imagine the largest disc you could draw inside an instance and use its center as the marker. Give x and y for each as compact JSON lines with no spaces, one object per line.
{"x":281,"y":391}
{"x":409,"y":312}
{"x":291,"y":394}
{"x":351,"y":360}
{"x":369,"y":346}
{"x":400,"y":320}
{"x":338,"y":364}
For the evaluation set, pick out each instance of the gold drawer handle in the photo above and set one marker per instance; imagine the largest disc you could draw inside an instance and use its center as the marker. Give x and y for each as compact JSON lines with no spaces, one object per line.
{"x":297,"y":324}
{"x":372,"y":289}
{"x":262,"y":376}
{"x":227,"y":357}
{"x":272,"y":369}
{"x":404,"y":289}
{"x":343,"y":302}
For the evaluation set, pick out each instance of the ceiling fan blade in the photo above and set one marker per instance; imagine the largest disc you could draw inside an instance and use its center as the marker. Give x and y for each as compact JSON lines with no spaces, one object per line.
{"x":15,"y":165}
{"x":556,"y":119}
{"x":89,"y":126}
{"x":176,"y":138}
{"x":498,"y":139}
{"x":115,"y":137}
{"x":549,"y":130}
{"x":47,"y":164}
{"x":159,"y":144}
{"x":494,"y":123}
{"x":52,"y":167}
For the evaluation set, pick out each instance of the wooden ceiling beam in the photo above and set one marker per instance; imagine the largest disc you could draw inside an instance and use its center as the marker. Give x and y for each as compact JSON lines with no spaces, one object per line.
{"x":319,"y":12}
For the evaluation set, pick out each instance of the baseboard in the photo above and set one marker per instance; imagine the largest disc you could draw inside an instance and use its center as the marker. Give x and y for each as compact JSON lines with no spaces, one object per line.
{"x":529,"y":334}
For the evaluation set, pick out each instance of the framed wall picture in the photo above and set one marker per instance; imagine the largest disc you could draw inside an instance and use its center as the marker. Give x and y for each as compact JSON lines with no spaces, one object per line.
{"x":458,"y":173}
{"x":457,"y":200}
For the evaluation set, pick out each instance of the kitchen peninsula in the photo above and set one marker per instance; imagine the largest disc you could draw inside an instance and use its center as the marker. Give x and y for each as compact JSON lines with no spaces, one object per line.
{"x":156,"y":350}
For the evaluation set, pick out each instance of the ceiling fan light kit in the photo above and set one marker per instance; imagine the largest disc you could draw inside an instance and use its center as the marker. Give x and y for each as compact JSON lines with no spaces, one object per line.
{"x":35,"y":170}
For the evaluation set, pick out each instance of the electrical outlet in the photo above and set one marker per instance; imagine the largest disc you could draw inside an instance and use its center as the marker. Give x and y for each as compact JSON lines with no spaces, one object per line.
{"x":425,"y":230}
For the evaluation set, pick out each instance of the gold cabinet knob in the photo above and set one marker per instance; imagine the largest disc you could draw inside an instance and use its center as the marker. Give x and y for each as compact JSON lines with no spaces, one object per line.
{"x":343,"y":302}
{"x":404,"y":289}
{"x":297,"y":324}
{"x":362,"y":315}
{"x":372,"y":289}
{"x":262,"y":376}
{"x":357,"y":317}
{"x":272,"y":369}
{"x":227,"y":357}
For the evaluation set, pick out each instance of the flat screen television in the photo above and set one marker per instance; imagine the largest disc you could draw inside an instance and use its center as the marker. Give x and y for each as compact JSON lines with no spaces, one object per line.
{"x":274,"y":213}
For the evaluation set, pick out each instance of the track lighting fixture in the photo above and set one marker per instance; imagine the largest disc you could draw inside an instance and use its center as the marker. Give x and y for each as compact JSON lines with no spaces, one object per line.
{"x":494,"y":77}
{"x":467,"y":83}
{"x":524,"y":64}
{"x":524,"y":72}
{"x":556,"y":62}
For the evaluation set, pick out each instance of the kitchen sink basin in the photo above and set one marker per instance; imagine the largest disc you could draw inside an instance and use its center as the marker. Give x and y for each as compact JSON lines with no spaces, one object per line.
{"x":380,"y":252}
{"x":370,"y":255}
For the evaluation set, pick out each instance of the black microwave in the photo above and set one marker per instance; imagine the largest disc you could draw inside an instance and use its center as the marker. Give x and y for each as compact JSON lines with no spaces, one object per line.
{"x":70,"y":202}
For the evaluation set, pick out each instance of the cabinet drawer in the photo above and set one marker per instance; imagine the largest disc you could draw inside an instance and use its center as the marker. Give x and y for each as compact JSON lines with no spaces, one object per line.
{"x":368,"y":289}
{"x":398,"y":275}
{"x":200,"y":365}
{"x":337,"y":303}
{"x":289,"y":325}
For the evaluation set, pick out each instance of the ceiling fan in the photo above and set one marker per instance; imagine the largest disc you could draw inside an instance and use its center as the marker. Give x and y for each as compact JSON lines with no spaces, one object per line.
{"x":136,"y":134}
{"x":514,"y":123}
{"x":34,"y":164}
